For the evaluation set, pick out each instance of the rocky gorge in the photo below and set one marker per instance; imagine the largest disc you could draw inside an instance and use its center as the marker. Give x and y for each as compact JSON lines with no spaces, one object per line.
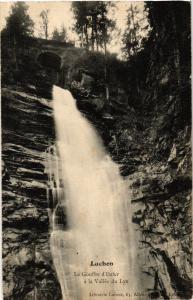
{"x":160,"y":194}
{"x":148,"y":137}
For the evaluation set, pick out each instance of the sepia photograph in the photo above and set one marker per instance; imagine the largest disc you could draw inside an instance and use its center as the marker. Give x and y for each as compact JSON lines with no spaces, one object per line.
{"x":96,"y":150}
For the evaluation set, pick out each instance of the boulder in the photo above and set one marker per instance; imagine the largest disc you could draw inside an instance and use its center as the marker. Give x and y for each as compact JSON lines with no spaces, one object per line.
{"x":87,"y":82}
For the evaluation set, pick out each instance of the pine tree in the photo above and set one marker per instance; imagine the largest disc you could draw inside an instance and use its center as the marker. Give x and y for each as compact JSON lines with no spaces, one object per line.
{"x":94,"y":27}
{"x":136,"y":31}
{"x":44,"y":23}
{"x":63,"y":34}
{"x":80,"y":10}
{"x":60,"y":35}
{"x":93,"y":24}
{"x":19,"y":24}
{"x":56,"y":34}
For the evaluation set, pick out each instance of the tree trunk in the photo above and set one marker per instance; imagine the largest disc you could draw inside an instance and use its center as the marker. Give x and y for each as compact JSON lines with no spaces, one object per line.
{"x":92,"y":34}
{"x":82,"y":37}
{"x":46,"y":31}
{"x":96,"y":36}
{"x":14,"y":53}
{"x":105,"y":71}
{"x":86,"y":35}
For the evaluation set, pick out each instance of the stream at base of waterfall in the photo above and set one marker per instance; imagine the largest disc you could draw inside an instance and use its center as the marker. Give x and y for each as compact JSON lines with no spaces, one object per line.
{"x":92,"y":241}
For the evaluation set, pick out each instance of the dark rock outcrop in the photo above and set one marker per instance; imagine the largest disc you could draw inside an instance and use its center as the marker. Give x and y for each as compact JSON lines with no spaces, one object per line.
{"x":27,"y":132}
{"x":159,"y":189}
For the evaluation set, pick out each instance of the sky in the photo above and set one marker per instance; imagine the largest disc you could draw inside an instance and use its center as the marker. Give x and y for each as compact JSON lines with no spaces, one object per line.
{"x":60,"y":13}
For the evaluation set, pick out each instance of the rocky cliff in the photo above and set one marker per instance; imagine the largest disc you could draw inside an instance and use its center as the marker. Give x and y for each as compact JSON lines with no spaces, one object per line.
{"x":27,"y":132}
{"x":158,"y":186}
{"x":157,"y":168}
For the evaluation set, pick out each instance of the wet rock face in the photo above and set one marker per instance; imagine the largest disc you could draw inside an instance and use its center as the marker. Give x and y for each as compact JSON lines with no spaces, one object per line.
{"x":154,"y":155}
{"x":160,"y":192}
{"x":162,"y":211}
{"x":156,"y":166}
{"x":27,"y":132}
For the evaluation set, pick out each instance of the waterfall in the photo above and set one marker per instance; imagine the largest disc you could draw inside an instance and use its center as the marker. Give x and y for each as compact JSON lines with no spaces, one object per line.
{"x":90,"y":213}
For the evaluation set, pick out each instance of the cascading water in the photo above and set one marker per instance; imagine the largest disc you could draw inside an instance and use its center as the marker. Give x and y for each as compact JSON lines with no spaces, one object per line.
{"x":91,"y":216}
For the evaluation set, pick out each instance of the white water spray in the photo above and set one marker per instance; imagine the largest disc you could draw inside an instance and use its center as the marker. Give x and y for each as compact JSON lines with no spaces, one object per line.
{"x":95,"y":203}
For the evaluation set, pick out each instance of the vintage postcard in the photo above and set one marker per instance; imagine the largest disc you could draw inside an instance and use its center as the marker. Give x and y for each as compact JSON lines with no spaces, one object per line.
{"x":96,"y":150}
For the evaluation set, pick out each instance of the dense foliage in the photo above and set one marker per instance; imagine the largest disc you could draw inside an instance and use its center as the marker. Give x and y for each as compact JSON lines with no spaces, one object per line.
{"x":18,"y":23}
{"x":92,"y":23}
{"x":163,"y":53}
{"x":136,"y":32}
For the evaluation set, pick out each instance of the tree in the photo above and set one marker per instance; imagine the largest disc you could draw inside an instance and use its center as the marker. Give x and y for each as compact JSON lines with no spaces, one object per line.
{"x":105,"y":28}
{"x":136,"y":31}
{"x":18,"y":23}
{"x":60,"y":35}
{"x":44,"y":22}
{"x":56,"y":35}
{"x":104,"y":25}
{"x":92,"y":23}
{"x":134,"y":38}
{"x":63,"y":34}
{"x":173,"y":21}
{"x":80,"y":10}
{"x":94,"y":27}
